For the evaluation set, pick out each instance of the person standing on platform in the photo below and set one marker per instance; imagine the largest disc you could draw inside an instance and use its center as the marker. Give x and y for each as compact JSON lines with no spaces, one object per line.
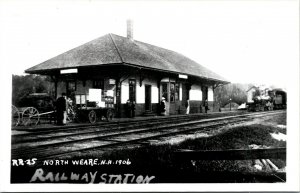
{"x":61,"y":109}
{"x":133,"y":109}
{"x":206,"y":106}
{"x":187,"y":106}
{"x":163,"y":106}
{"x":128,"y":108}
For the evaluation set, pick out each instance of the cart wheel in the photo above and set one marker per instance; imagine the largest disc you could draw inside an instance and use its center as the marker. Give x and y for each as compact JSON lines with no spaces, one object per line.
{"x":92,"y":116}
{"x":109,"y":115}
{"x":15,"y":116}
{"x":30,"y":116}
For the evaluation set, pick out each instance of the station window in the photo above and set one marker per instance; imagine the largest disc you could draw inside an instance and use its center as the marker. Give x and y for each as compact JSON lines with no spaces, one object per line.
{"x":177,"y":92}
{"x":165,"y":90}
{"x":71,"y":88}
{"x":174,"y":92}
{"x":98,"y":84}
{"x":132,"y":89}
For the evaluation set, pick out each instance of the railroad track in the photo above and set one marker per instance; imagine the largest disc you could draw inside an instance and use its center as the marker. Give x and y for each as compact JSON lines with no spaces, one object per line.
{"x":72,"y":144}
{"x":53,"y":133}
{"x":113,"y":123}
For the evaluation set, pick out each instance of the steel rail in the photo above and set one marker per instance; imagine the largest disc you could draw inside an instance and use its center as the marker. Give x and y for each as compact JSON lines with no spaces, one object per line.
{"x":115,"y":143}
{"x":114,"y":135}
{"x":117,"y":123}
{"x":83,"y":130}
{"x":80,"y":126}
{"x":42,"y":149}
{"x":32,"y":138}
{"x":125,"y":132}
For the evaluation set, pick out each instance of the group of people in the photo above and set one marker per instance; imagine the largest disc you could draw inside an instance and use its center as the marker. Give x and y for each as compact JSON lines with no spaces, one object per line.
{"x":62,"y":106}
{"x":187,"y":106}
{"x":63,"y":102}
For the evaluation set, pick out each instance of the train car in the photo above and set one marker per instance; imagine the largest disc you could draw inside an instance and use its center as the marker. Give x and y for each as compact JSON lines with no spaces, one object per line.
{"x":266,"y":100}
{"x":260,"y":104}
{"x":279,"y":99}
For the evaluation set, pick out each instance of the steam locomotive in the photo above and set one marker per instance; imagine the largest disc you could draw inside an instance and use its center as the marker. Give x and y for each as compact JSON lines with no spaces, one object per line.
{"x":270,"y":100}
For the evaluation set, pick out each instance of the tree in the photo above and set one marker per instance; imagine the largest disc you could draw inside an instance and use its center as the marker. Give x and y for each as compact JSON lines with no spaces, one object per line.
{"x":236,"y":92}
{"x":25,"y":85}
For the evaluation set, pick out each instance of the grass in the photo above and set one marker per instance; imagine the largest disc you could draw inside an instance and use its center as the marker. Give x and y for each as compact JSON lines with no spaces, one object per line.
{"x":159,"y":160}
{"x":236,"y":138}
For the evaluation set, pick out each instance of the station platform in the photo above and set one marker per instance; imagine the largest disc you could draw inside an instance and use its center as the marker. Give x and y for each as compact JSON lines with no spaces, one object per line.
{"x":51,"y":126}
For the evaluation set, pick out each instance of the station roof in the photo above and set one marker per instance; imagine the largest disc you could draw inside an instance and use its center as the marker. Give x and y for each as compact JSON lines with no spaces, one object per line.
{"x":114,"y":49}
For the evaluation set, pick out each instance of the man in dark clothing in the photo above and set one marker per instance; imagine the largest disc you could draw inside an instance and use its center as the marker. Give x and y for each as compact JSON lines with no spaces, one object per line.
{"x":133,"y":109}
{"x":128,"y":108}
{"x":206,"y":106}
{"x":61,"y":109}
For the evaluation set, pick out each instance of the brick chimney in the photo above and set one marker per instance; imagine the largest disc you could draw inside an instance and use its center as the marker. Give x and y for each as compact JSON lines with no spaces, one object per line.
{"x":130,"y":29}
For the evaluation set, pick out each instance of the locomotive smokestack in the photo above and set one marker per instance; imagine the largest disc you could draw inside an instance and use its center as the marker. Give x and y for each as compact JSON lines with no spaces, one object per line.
{"x":130,"y":29}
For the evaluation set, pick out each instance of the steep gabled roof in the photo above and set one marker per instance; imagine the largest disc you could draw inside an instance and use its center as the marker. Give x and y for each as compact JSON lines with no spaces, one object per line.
{"x":255,"y":87}
{"x":114,"y":49}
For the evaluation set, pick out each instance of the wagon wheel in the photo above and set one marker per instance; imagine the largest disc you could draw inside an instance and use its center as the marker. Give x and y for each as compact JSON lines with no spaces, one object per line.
{"x":15,"y":116}
{"x":30,"y":116}
{"x":92,"y":116}
{"x":109,"y":115}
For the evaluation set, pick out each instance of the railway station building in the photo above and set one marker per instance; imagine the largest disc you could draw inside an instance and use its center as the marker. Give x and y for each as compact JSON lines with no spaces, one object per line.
{"x":126,"y":69}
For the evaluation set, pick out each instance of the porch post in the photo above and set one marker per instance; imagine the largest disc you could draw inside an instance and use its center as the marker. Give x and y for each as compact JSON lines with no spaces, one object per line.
{"x":118,"y":97}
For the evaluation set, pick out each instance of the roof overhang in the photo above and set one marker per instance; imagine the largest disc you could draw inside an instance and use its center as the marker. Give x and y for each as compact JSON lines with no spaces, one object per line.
{"x":57,"y":71}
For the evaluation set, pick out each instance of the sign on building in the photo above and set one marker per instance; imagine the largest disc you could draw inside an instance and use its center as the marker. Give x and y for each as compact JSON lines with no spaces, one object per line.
{"x":69,"y":71}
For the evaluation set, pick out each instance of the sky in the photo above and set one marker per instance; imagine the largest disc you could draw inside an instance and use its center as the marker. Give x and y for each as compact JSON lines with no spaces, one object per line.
{"x":243,"y":41}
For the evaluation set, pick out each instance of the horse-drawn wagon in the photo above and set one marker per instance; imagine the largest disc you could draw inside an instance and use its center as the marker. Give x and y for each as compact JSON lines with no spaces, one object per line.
{"x":32,"y":108}
{"x":86,"y":107}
